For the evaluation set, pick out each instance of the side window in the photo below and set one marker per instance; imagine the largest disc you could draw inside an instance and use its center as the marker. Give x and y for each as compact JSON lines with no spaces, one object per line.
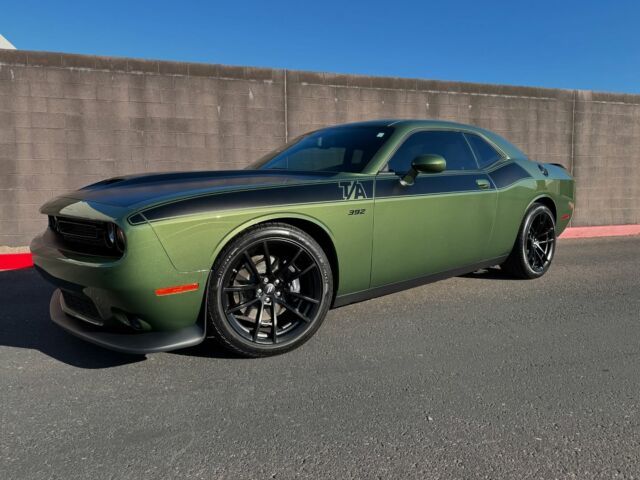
{"x":451,"y":145}
{"x":485,"y":153}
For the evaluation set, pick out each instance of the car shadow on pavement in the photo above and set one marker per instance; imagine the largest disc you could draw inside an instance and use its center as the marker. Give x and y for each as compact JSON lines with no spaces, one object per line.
{"x":25,"y":323}
{"x":491,"y":273}
{"x":207,"y":349}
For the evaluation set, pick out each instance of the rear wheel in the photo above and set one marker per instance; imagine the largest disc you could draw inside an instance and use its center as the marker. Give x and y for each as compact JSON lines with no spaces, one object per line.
{"x":270,"y":291}
{"x":535,"y":246}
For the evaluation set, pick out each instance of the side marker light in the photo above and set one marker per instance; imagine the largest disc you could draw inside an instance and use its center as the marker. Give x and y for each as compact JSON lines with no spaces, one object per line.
{"x":190,"y":287}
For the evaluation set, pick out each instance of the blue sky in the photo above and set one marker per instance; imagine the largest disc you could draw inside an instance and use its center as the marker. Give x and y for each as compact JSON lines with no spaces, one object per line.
{"x":568,"y":44}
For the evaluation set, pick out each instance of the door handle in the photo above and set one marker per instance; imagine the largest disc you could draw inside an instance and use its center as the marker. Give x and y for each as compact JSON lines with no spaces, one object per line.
{"x":482,"y":183}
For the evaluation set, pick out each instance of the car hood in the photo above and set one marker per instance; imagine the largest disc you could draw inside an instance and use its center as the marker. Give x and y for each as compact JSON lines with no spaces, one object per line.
{"x":138,"y":191}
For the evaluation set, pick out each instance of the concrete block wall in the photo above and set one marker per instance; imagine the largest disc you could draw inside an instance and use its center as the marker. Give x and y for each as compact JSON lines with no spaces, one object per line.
{"x":607,"y":158}
{"x":68,"y":120}
{"x":537,"y":120}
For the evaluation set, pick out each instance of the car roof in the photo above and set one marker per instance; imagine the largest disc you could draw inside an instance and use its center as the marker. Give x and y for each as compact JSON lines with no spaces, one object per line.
{"x":409,"y":124}
{"x":389,"y":122}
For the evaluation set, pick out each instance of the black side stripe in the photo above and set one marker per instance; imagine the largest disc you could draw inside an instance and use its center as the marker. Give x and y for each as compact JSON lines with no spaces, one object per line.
{"x":501,"y":177}
{"x":388,"y":187}
{"x":312,"y":193}
{"x":508,"y":174}
{"x":429,"y":185}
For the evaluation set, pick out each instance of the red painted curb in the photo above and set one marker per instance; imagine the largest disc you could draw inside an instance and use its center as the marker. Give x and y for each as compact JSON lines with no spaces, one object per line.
{"x":14,"y":261}
{"x":601,"y":231}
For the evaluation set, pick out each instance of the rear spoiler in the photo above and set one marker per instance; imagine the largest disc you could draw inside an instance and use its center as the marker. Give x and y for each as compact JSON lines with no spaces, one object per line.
{"x":560,"y":165}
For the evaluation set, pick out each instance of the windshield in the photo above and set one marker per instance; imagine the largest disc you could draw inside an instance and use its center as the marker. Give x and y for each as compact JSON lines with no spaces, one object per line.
{"x":336,"y":149}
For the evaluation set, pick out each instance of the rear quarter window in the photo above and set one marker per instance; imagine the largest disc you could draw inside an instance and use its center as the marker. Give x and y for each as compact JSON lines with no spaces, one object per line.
{"x":484,"y":152}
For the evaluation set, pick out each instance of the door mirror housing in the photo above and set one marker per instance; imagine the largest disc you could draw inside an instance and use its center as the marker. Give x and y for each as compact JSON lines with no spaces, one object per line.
{"x":429,"y":163}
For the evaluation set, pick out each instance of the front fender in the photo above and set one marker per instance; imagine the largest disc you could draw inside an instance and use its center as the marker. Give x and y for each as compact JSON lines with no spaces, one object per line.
{"x":193,"y":243}
{"x":277,"y":216}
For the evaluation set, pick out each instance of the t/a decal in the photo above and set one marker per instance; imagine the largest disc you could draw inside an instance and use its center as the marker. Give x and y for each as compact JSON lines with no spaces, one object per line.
{"x":352,"y":190}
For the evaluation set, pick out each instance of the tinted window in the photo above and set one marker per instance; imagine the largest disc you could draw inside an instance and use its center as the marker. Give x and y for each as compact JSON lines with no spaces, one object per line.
{"x":485,"y":153}
{"x":451,"y":145}
{"x":337,"y":149}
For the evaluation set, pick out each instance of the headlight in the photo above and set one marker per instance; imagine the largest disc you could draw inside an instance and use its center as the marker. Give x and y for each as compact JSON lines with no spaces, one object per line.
{"x":111,"y":234}
{"x":120,"y":239}
{"x":115,"y":237}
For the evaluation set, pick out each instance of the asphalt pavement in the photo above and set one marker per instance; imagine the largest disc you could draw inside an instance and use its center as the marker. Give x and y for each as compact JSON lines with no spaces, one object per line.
{"x":480,"y":376}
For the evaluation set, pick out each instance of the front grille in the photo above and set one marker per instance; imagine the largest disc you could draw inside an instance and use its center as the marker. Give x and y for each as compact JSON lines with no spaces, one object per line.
{"x":82,"y":305}
{"x":87,"y":237}
{"x":79,"y":230}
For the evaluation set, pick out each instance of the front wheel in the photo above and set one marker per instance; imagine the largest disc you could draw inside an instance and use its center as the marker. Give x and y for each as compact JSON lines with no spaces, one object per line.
{"x":535,"y":246}
{"x":270,"y":290}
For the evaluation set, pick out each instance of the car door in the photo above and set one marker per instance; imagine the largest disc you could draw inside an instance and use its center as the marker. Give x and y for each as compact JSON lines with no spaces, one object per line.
{"x":440,"y":223}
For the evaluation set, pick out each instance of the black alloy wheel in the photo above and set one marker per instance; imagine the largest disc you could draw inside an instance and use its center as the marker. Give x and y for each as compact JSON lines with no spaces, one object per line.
{"x":535,"y":245}
{"x":271,"y":290}
{"x":540,"y":241}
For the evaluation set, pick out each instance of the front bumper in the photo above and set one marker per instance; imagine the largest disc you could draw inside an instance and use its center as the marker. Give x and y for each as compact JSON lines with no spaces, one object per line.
{"x":135,"y":343}
{"x":126,"y":287}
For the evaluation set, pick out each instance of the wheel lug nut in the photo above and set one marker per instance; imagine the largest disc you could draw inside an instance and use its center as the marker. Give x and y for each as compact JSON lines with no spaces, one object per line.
{"x":265,"y":280}
{"x":277,"y":282}
{"x":259,"y":291}
{"x":277,"y":294}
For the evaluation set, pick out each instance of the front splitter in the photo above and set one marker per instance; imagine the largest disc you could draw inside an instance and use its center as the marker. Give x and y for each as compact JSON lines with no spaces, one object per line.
{"x":134,"y":343}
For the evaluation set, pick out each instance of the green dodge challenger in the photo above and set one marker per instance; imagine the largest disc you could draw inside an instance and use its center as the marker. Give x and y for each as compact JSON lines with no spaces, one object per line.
{"x":256,"y":257}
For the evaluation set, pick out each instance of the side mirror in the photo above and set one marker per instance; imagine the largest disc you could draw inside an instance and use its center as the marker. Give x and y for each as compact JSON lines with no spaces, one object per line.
{"x":429,"y":163}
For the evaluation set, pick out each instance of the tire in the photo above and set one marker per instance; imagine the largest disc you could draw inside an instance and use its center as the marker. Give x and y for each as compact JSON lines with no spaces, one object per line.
{"x":258,"y":308}
{"x":535,"y":245}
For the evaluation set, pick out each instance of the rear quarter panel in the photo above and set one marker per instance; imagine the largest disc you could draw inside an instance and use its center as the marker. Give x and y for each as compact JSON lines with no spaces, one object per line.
{"x":515,"y":200}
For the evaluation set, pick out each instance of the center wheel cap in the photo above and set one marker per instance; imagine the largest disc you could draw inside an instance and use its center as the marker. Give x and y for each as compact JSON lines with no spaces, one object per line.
{"x":269,"y":289}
